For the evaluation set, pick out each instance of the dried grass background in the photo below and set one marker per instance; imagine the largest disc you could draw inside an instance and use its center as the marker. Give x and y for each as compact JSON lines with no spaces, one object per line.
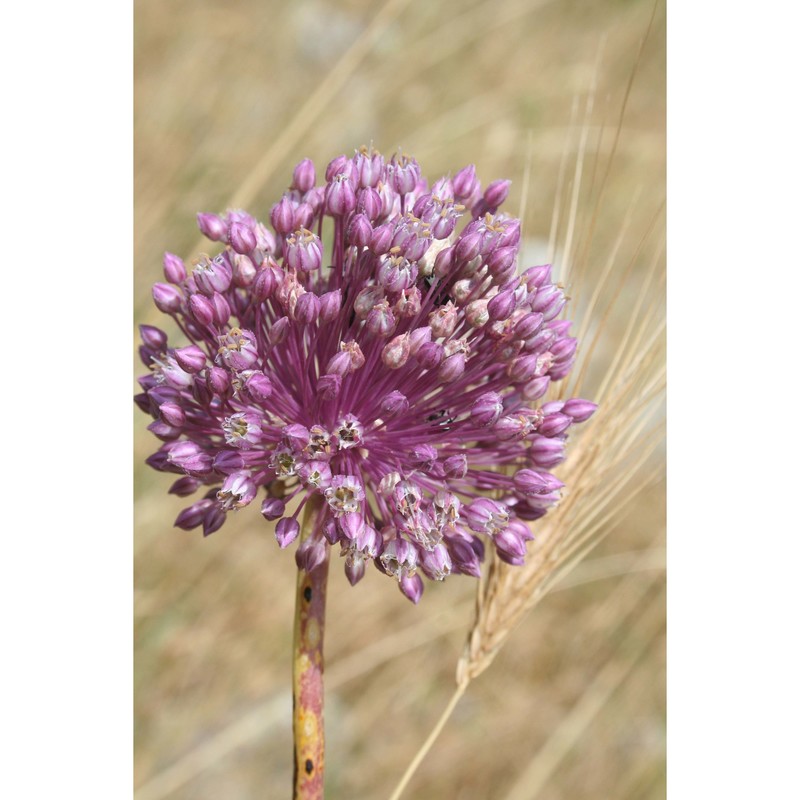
{"x":228,"y":97}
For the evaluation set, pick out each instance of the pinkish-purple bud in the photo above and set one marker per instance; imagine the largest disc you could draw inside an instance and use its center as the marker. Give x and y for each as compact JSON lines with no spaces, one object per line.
{"x":330,"y":304}
{"x":456,"y":466}
{"x":273,"y":508}
{"x":528,"y":325}
{"x":537,"y":388}
{"x":381,"y":239}
{"x":244,"y":271}
{"x":340,"y":197}
{"x":242,"y":238}
{"x":190,"y":359}
{"x":172,"y":414}
{"x":304,"y":176}
{"x":452,"y":368}
{"x":174,"y":270}
{"x":394,"y":403}
{"x":336,"y":166}
{"x":495,"y":194}
{"x":529,"y":482}
{"x":396,"y":352}
{"x":579,"y":410}
{"x":167,"y":298}
{"x":502,"y":305}
{"x":368,"y":202}
{"x":419,"y":337}
{"x":486,"y":409}
{"x":430,"y":355}
{"x":282,"y":215}
{"x":554,"y":424}
{"x":412,"y":587}
{"x":464,"y":183}
{"x":264,"y":284}
{"x":307,"y":308}
{"x":522,"y":369}
{"x":445,"y":260}
{"x":546,"y":453}
{"x":222,"y":309}
{"x":510,"y":546}
{"x":185,"y":486}
{"x":218,"y":380}
{"x":153,"y":337}
{"x":359,"y":231}
{"x":381,"y":321}
{"x":201,"y":309}
{"x":467,"y":247}
{"x":212,"y":226}
{"x":286,"y":531}
{"x":192,"y":516}
{"x":534,"y":277}
{"x":257,"y":387}
{"x":329,"y":386}
{"x":279,"y":331}
{"x":310,"y":554}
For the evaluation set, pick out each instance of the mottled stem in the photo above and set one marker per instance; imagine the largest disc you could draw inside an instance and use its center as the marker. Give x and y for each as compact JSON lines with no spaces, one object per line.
{"x":308,"y":694}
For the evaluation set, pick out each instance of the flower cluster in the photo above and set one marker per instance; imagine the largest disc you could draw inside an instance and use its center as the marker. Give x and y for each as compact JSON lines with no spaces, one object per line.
{"x":397,"y":379}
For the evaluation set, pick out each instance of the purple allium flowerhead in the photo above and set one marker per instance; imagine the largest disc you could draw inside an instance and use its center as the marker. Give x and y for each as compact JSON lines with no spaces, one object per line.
{"x":394,"y":371}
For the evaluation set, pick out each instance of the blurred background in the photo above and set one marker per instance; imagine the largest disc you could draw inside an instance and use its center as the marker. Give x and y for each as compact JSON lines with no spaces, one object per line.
{"x":229,"y":96}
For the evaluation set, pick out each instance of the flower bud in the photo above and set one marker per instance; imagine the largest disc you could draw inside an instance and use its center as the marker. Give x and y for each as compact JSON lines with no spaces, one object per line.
{"x":329,"y":386}
{"x":395,"y":354}
{"x":190,"y":359}
{"x":167,"y":298}
{"x":486,"y":409}
{"x":554,"y":424}
{"x":452,"y":368}
{"x":201,"y":309}
{"x":273,"y":508}
{"x":412,"y":587}
{"x":185,"y":486}
{"x":579,"y":410}
{"x":310,"y":554}
{"x":304,"y":176}
{"x":495,"y":194}
{"x":282,"y":216}
{"x":394,"y":403}
{"x":307,"y":308}
{"x":465,"y":183}
{"x":192,"y":517}
{"x":535,"y":389}
{"x":241,"y":238}
{"x":381,"y":239}
{"x":359,"y":231}
{"x":502,"y":305}
{"x":174,"y":270}
{"x":153,"y":337}
{"x":330,"y":305}
{"x":286,"y":531}
{"x":430,"y":355}
{"x":477,"y":313}
{"x":212,"y":226}
{"x":244,"y":271}
{"x":529,"y":482}
{"x":456,"y":466}
{"x":257,"y":387}
{"x":279,"y":331}
{"x":381,"y":321}
{"x":340,"y":198}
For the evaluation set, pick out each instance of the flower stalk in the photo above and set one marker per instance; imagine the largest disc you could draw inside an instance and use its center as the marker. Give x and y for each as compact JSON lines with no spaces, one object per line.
{"x":308,"y":699}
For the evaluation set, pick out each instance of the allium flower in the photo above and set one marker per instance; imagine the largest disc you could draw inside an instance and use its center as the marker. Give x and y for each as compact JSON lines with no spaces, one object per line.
{"x":400,"y":383}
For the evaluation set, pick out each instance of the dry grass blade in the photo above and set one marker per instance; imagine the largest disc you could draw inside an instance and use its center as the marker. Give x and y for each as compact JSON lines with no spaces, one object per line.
{"x":647,"y":625}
